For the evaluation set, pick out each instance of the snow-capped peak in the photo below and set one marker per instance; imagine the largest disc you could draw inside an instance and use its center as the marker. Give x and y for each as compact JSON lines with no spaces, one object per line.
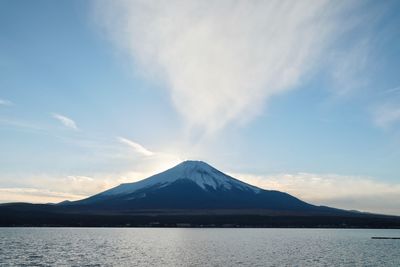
{"x":204,"y":175}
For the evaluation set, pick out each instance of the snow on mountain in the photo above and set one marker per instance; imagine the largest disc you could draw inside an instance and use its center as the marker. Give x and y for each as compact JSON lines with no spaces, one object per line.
{"x":205,"y":176}
{"x":192,"y":185}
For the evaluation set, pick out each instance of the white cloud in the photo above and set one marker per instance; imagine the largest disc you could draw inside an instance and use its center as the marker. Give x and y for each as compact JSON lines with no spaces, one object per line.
{"x":137,"y":147}
{"x":80,"y":178}
{"x":347,"y":192}
{"x":4,"y":102}
{"x":67,"y":122}
{"x":221,"y":60}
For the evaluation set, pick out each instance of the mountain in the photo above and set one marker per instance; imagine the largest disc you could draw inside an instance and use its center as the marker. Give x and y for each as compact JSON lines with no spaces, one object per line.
{"x":192,"y":194}
{"x":195,"y":185}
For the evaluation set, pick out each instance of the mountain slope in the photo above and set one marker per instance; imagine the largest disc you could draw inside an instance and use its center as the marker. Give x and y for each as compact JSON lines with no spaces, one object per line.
{"x":195,"y":185}
{"x":191,"y":194}
{"x":198,"y":172}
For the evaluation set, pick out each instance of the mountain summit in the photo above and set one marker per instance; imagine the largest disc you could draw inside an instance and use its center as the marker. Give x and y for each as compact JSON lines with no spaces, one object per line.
{"x":203,"y":175}
{"x":194,"y":185}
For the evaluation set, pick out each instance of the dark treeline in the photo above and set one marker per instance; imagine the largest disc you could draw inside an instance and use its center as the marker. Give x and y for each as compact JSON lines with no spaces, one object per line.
{"x":40,"y":219}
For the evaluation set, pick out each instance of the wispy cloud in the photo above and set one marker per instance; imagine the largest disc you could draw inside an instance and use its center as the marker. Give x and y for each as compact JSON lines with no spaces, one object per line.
{"x":35,"y":195}
{"x":136,"y":146}
{"x":386,"y":111}
{"x":4,"y":102}
{"x":348,"y":68}
{"x":386,"y":115}
{"x":67,"y":122}
{"x":394,"y":90}
{"x":43,"y":188}
{"x":342,"y":191}
{"x":20,"y":124}
{"x":222,"y":60}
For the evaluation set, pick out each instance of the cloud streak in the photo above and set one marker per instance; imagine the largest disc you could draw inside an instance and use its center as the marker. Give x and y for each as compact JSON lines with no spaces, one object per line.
{"x":222,"y":60}
{"x":4,"y":102}
{"x":136,"y":146}
{"x":386,"y":115}
{"x":67,"y":122}
{"x":20,"y":124}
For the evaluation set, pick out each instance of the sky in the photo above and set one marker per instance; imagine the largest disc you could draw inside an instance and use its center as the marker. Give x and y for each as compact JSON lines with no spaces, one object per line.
{"x":298,"y":96}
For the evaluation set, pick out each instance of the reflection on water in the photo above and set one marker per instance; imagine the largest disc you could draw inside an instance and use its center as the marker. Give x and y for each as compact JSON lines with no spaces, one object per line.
{"x":196,"y":247}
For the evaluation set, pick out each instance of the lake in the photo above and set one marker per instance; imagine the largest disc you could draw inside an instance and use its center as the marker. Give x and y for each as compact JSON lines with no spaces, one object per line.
{"x":196,"y":247}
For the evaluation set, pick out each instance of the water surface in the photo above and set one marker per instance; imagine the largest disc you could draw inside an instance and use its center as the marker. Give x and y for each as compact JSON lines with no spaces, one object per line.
{"x":196,"y":247}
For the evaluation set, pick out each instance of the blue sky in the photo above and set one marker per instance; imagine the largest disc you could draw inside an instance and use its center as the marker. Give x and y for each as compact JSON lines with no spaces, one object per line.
{"x":298,"y":97}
